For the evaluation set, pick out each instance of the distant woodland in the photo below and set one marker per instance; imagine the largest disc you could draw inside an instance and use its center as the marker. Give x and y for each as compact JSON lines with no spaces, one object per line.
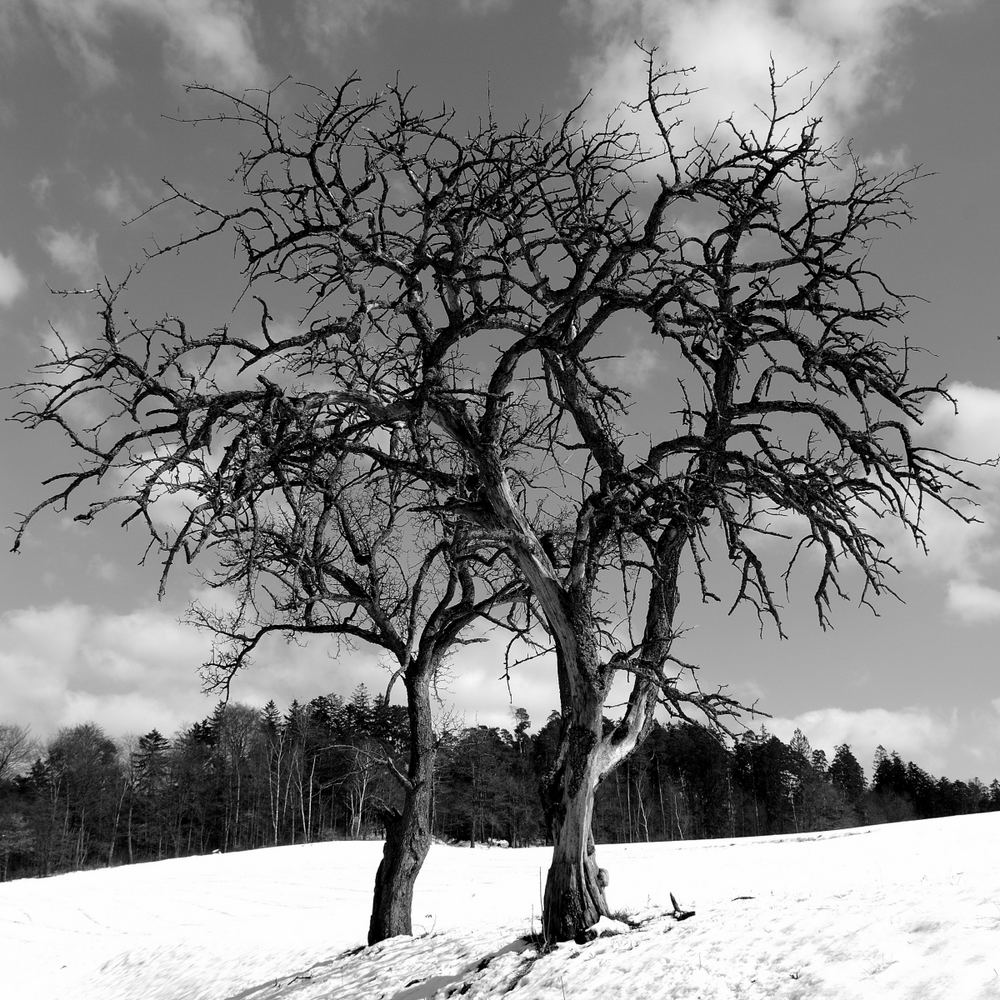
{"x":247,"y":777}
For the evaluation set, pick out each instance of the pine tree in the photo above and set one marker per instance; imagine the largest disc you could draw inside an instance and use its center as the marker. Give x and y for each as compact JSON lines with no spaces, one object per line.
{"x":798,"y":744}
{"x":270,"y":720}
{"x":889,"y":773}
{"x":847,"y":774}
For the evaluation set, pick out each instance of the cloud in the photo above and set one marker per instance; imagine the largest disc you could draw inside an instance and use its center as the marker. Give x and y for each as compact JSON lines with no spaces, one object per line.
{"x":974,"y":431}
{"x":103,"y":569}
{"x":12,"y":280}
{"x":731,"y":43}
{"x":80,"y":32}
{"x":323,"y":23}
{"x":635,"y":367}
{"x":889,"y":160}
{"x":916,"y":733}
{"x":63,"y":335}
{"x":71,"y":663}
{"x":72,"y":251}
{"x":974,"y":603}
{"x":40,"y":186}
{"x":475,"y":693}
{"x":483,"y":6}
{"x":121,"y":196}
{"x":967,"y":554}
{"x":209,"y":39}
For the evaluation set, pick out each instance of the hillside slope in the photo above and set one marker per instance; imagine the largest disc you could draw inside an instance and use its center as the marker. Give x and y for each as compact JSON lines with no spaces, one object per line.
{"x":904,"y":911}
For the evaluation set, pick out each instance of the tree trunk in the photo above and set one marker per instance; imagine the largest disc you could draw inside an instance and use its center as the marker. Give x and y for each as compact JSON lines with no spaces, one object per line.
{"x":574,"y":893}
{"x":408,"y":830}
{"x":664,"y":828}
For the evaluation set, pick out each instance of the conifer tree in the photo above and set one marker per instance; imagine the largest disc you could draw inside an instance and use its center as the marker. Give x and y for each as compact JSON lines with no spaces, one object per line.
{"x":847,"y":774}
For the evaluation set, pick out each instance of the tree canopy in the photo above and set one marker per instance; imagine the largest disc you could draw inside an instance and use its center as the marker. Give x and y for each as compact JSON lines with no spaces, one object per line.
{"x":459,"y":295}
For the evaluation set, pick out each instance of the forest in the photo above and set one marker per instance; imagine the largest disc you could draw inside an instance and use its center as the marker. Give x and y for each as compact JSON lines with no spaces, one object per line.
{"x":247,"y":777}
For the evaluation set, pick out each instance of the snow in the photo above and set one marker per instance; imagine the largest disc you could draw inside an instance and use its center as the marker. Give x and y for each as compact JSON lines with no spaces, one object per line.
{"x":910,"y":910}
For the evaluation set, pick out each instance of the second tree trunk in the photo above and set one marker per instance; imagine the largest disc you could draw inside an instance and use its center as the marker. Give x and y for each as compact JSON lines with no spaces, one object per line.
{"x":574,"y":890}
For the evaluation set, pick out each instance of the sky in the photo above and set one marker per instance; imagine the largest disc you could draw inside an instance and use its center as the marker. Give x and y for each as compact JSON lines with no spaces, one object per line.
{"x":89,"y":96}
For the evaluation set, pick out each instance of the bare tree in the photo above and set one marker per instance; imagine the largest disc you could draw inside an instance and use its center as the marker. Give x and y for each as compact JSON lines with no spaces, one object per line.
{"x":281,"y":497}
{"x":17,"y":748}
{"x":460,"y":293}
{"x":331,"y":544}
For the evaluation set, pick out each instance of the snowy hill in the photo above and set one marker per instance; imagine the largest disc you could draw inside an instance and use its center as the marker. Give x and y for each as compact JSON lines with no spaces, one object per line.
{"x":895,"y":912}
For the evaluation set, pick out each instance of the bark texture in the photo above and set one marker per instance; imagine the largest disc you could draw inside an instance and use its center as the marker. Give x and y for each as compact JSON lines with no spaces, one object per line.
{"x":406,"y":845}
{"x":574,"y":896}
{"x":574,"y":891}
{"x":407,"y":830}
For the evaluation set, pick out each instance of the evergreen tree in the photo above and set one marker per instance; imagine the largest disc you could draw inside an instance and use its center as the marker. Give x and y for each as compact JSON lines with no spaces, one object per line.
{"x":799,"y":745}
{"x":771,"y":773}
{"x":994,"y":795}
{"x":695,"y":800}
{"x":889,"y":775}
{"x":847,"y":774}
{"x":145,"y":822}
{"x":270,"y":720}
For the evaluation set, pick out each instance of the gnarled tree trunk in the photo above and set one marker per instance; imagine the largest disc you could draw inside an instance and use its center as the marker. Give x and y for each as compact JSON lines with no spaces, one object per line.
{"x":407,"y":830}
{"x":574,"y":893}
{"x":574,"y":890}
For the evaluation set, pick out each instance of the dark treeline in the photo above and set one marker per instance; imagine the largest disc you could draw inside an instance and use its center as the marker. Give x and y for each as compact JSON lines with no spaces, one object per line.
{"x":246,"y":778}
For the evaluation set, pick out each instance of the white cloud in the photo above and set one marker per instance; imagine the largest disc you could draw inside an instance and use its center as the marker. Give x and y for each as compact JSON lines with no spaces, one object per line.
{"x":208,"y":39}
{"x":889,"y":160}
{"x":80,"y":32}
{"x":12,"y":280}
{"x":955,"y":547}
{"x":475,"y":691}
{"x":323,"y":22}
{"x":973,"y":602}
{"x":916,"y":733}
{"x":103,"y":569}
{"x":66,"y":334}
{"x":636,"y":367}
{"x":967,"y":553}
{"x":120,"y":196}
{"x":70,"y":663}
{"x":731,"y":43}
{"x":974,"y":431}
{"x":72,"y":251}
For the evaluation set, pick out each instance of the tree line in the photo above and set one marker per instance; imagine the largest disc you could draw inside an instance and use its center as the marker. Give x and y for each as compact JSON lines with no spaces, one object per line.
{"x":246,"y":778}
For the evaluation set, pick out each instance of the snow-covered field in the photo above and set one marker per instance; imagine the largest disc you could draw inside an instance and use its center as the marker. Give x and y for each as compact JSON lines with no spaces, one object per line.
{"x":893,"y":912}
